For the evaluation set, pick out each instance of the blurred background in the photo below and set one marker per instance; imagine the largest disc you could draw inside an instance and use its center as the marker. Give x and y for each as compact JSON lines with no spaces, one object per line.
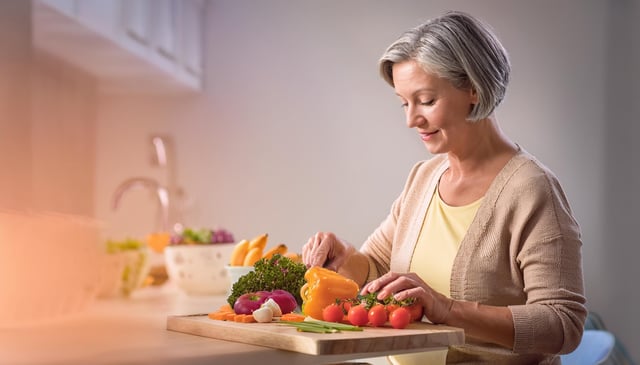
{"x":272,"y":118}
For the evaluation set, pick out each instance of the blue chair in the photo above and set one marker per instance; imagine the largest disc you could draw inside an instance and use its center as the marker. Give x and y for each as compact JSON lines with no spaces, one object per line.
{"x":594,"y":349}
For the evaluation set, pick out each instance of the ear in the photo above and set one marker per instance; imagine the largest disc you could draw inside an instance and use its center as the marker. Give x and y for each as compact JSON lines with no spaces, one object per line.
{"x":473,"y":96}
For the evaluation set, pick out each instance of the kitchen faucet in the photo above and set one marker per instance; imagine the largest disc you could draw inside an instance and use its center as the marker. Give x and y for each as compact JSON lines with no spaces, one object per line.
{"x":145,"y":183}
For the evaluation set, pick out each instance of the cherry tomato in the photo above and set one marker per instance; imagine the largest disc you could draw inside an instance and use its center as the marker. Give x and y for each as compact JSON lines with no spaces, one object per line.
{"x":332,"y":313}
{"x":400,"y":318}
{"x":346,"y":305}
{"x":358,"y":315}
{"x":416,"y":311}
{"x":377,"y":315}
{"x":391,"y":307}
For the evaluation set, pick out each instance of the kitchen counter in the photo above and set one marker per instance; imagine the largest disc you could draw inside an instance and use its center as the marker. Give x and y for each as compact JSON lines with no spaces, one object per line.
{"x":133,"y":331}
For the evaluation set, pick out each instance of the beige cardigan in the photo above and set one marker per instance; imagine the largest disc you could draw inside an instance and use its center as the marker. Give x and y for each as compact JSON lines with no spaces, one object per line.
{"x":522,"y":250}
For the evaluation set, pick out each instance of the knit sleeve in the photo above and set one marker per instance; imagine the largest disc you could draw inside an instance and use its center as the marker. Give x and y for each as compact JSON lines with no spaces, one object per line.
{"x":378,"y":246}
{"x":550,"y":261}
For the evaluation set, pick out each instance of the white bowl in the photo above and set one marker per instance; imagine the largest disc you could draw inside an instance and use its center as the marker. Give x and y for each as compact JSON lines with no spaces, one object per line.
{"x":236,"y":272}
{"x":199,"y":269}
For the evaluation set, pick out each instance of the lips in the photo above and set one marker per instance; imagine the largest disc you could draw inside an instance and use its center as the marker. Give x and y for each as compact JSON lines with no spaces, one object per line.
{"x":427,"y":135}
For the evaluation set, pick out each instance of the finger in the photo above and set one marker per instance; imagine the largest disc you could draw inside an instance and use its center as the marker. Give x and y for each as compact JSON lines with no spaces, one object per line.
{"x":389,"y":284}
{"x":308,"y":251}
{"x":305,"y":257}
{"x":319,"y":251}
{"x":375,"y":285}
{"x":334,"y":263}
{"x":399,"y":283}
{"x":415,"y":292}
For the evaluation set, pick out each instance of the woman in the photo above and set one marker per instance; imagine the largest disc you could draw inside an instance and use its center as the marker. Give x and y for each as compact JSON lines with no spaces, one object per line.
{"x":482,"y":234}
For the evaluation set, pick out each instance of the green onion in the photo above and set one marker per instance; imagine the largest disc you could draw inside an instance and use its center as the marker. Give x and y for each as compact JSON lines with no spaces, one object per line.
{"x":317,"y":326}
{"x":339,"y":326}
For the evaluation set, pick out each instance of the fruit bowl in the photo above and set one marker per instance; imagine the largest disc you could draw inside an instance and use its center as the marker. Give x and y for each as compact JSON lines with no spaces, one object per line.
{"x":199,"y":269}
{"x":125,"y":269}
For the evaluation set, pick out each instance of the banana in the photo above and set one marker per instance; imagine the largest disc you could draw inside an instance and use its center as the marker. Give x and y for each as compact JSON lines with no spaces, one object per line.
{"x":295,"y":257}
{"x":239,"y":252}
{"x":253,"y":255}
{"x":280,"y":249}
{"x":259,"y":241}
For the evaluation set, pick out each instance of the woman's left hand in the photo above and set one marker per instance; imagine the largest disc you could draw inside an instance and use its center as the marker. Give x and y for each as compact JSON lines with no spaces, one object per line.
{"x":436,"y":306}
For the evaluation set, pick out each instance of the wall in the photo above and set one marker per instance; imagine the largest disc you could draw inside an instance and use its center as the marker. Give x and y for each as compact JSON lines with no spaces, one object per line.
{"x":296,"y":132}
{"x":63,"y":138}
{"x":619,"y":245}
{"x":47,"y":120}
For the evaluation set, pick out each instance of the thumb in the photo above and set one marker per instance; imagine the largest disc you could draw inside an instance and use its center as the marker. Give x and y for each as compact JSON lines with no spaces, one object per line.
{"x":334,"y":263}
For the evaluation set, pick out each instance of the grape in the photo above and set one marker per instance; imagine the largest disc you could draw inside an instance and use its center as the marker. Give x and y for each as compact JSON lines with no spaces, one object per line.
{"x":175,"y":239}
{"x":203,"y":236}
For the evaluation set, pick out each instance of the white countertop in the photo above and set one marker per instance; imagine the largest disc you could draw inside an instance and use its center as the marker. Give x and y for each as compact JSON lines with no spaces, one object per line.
{"x":133,"y":331}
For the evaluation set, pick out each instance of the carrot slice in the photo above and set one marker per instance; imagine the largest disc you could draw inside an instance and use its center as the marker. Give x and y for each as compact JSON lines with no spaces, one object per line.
{"x":225,"y":308}
{"x":220,"y":316}
{"x":292,"y":317}
{"x":244,"y":318}
{"x":247,"y":318}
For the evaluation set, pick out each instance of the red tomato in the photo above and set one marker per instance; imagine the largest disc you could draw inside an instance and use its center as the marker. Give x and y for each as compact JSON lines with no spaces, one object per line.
{"x":358,"y":315}
{"x":346,"y":305}
{"x":400,"y":318}
{"x":377,"y":315}
{"x":332,"y":313}
{"x":391,"y":307}
{"x":416,"y":311}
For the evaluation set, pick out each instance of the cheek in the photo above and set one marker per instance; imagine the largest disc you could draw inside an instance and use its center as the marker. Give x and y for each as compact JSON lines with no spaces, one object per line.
{"x":435,"y":116}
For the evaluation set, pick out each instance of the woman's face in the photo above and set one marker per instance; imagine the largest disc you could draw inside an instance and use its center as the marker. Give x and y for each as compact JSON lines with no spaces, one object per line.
{"x":434,"y":107}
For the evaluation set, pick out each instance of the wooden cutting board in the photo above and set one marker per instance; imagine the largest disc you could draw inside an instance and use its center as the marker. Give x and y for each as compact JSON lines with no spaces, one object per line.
{"x":416,"y":337}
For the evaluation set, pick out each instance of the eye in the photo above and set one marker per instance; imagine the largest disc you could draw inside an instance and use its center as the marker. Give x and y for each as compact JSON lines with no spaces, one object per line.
{"x":404,"y":105}
{"x":427,"y":103}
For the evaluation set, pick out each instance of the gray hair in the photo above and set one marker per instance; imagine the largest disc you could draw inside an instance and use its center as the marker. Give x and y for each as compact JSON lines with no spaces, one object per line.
{"x":459,"y":48}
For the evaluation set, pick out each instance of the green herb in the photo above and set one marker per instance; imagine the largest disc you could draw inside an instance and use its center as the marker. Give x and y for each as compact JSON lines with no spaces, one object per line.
{"x":278,"y":272}
{"x":371,"y":299}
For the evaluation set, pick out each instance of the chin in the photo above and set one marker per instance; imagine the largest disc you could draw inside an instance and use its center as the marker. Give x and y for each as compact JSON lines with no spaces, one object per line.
{"x":434,"y":150}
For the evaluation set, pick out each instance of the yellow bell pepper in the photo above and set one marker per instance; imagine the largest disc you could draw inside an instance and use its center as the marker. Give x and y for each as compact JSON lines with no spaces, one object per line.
{"x":323,"y":287}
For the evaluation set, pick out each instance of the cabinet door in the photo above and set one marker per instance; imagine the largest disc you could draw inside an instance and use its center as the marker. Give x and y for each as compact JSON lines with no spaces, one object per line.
{"x":192,"y":15}
{"x":99,"y":15}
{"x":136,"y":17}
{"x":66,"y":7}
{"x":165,"y":28}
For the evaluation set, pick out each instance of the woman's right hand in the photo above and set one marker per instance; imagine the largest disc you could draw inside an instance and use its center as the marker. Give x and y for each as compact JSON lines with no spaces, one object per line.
{"x":326,"y":250}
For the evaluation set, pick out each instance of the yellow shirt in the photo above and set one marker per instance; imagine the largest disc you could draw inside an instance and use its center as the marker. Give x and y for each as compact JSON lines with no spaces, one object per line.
{"x":442,"y":231}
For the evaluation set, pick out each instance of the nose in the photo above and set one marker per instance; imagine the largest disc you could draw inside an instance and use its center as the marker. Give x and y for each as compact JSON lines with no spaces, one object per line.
{"x":413,"y":118}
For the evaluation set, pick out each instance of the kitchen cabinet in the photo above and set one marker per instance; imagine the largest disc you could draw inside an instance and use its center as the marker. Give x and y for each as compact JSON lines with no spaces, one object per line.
{"x":136,"y":16}
{"x":191,"y":18}
{"x":64,"y":6}
{"x":99,"y":15}
{"x":129,"y":45}
{"x":165,"y":27}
